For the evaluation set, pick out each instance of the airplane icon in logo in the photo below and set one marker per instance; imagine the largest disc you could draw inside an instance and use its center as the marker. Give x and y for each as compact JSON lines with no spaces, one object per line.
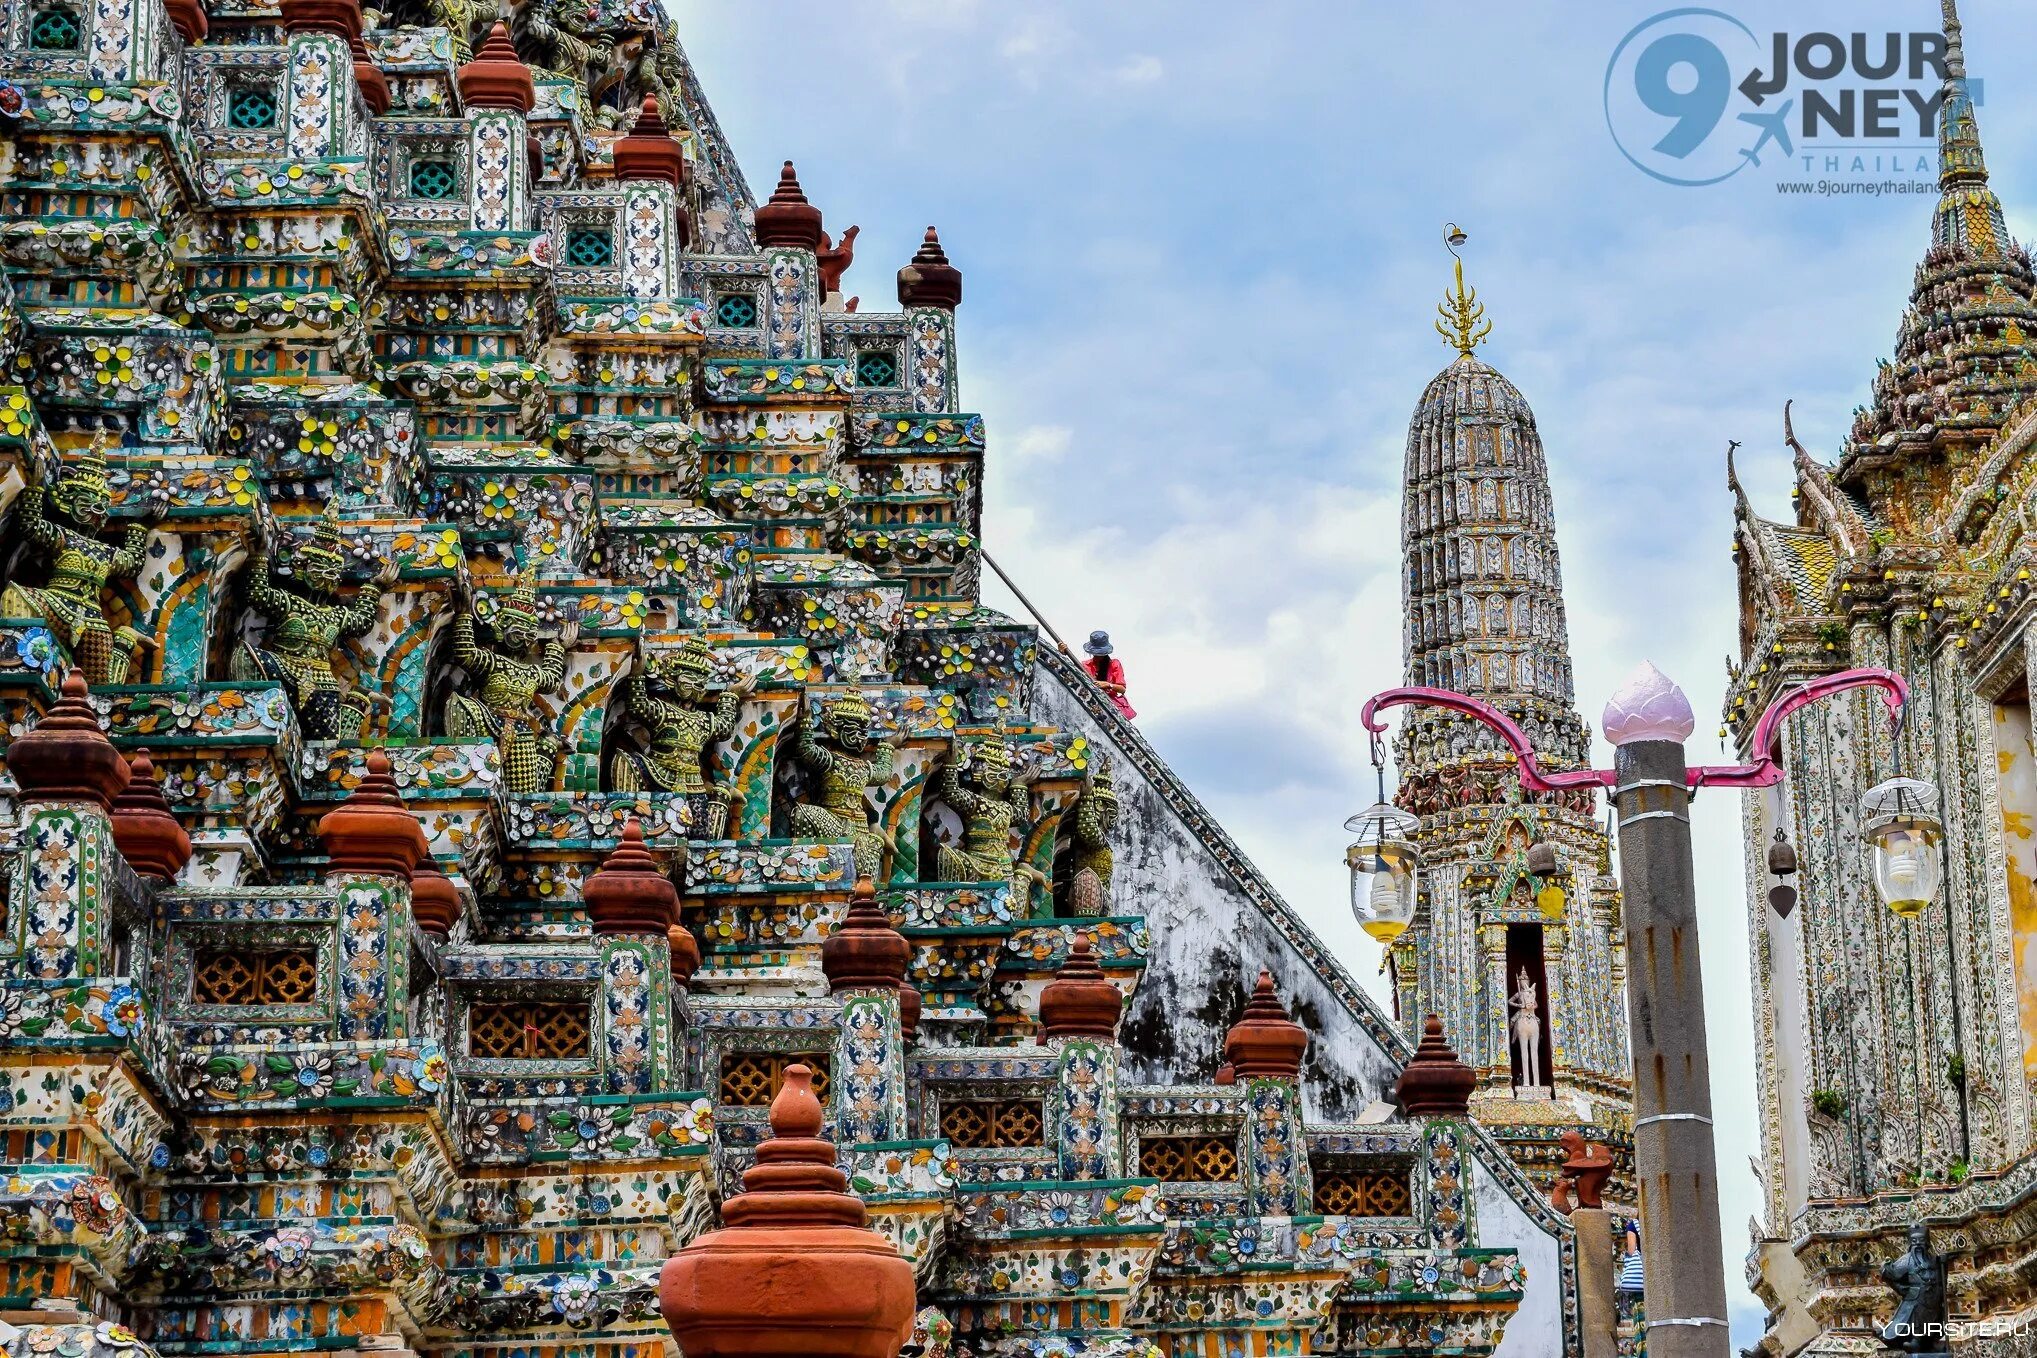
{"x":1774,"y":128}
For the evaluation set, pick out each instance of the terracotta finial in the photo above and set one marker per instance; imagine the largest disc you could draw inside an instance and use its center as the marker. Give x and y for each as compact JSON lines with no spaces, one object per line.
{"x":497,"y":77}
{"x":1080,"y":1001}
{"x":630,"y":894}
{"x":1265,"y":1041}
{"x":864,"y":952}
{"x":189,"y":19}
{"x":434,"y":900}
{"x":649,"y":152}
{"x":372,"y":831}
{"x":1435,"y":1083}
{"x":930,"y":280}
{"x":797,"y":1270}
{"x":66,"y":757}
{"x":910,"y":1005}
{"x":788,"y":221}
{"x":685,"y":950}
{"x":145,"y":830}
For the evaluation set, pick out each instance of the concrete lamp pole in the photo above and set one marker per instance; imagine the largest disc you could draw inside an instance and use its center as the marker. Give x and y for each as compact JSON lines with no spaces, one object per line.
{"x":1647,"y":721}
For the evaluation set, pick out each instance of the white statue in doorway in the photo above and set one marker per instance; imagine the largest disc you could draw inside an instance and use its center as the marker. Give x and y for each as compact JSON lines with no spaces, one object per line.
{"x":1527,"y":1031}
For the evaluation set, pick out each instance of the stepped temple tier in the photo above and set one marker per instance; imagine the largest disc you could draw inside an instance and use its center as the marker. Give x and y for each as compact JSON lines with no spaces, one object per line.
{"x":1897,"y":1057}
{"x":512,"y":794}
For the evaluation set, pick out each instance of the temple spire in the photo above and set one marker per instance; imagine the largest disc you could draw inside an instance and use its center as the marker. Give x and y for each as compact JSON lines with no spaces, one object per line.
{"x":1960,"y":162}
{"x":1463,"y":321}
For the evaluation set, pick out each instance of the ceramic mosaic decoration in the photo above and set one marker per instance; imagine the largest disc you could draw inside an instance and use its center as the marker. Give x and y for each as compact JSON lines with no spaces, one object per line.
{"x":1896,"y":1057}
{"x":548,"y":612}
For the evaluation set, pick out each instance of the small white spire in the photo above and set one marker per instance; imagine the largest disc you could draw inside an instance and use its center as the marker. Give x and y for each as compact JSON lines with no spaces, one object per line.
{"x":1955,"y":54}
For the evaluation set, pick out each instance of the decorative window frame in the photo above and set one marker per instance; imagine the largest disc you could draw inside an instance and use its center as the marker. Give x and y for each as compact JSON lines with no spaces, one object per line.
{"x":234,"y":81}
{"x":891,"y":353}
{"x":81,"y":15}
{"x":606,"y":221}
{"x":1324,"y":1165}
{"x":722,"y":295}
{"x":460,"y":1004}
{"x":188,"y":939}
{"x":1224,"y":1193}
{"x":992,"y":1163}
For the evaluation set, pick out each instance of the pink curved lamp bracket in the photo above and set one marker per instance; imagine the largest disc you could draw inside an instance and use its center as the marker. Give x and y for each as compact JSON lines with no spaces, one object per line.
{"x":1764,"y":772}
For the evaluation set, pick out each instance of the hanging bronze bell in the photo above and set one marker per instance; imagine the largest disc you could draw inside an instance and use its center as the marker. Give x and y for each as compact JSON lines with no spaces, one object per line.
{"x":1542,"y":859}
{"x":1782,"y":858}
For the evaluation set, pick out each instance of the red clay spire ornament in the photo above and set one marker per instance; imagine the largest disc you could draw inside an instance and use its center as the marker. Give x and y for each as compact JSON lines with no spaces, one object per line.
{"x":798,"y":1273}
{"x":371,"y":831}
{"x":685,"y":951}
{"x":630,"y":894}
{"x":145,"y":830}
{"x":1435,"y":1083}
{"x":788,"y":221}
{"x":434,"y":900}
{"x":1265,"y":1041}
{"x":66,"y":757}
{"x":929,"y":280}
{"x":497,"y":77}
{"x":864,"y":952}
{"x":1079,"y":1001}
{"x":189,"y":19}
{"x":649,"y":152}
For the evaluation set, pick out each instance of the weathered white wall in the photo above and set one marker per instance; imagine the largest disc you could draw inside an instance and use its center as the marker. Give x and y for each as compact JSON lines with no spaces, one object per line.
{"x":1536,"y":1331}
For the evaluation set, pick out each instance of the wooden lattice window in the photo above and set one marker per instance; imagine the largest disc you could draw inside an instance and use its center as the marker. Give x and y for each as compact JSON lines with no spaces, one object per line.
{"x":753,"y":1079}
{"x":235,"y":976}
{"x":992,"y":1124}
{"x":1354,"y":1192}
{"x":527,"y":1030}
{"x":1188,"y":1159}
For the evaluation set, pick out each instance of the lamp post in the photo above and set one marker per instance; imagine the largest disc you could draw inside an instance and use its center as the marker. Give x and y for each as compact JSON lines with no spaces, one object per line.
{"x":1675,"y":1163}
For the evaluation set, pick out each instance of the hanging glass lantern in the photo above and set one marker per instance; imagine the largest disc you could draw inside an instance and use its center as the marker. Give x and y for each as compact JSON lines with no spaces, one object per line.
{"x":1384,"y":867}
{"x":1900,"y":818}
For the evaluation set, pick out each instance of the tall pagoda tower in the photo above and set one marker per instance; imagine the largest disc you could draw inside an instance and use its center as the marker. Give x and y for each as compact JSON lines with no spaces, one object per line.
{"x":1498,"y":925}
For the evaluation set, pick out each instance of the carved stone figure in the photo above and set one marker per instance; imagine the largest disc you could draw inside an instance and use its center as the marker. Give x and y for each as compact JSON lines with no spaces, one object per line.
{"x":65,"y":522}
{"x":508,"y":680}
{"x":1918,"y":1278}
{"x":834,"y":260}
{"x":835,"y":750}
{"x":993,"y":803}
{"x":669,"y":696}
{"x":552,"y":36}
{"x":1527,"y":1031}
{"x":307,"y":622}
{"x":1093,"y":862}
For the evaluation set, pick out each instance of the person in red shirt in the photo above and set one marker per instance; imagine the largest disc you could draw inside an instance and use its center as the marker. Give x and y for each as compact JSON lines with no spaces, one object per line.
{"x":1107,"y":671}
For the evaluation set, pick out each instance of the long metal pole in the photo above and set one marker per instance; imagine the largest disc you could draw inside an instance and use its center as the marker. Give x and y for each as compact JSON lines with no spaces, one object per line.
{"x":1675,"y":1161}
{"x":1037,"y":617}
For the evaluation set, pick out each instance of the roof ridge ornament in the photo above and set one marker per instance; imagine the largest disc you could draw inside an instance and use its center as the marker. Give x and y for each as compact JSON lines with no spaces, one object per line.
{"x":1463,"y":323}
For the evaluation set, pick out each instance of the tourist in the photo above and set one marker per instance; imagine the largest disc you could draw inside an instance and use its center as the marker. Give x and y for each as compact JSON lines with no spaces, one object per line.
{"x":1107,"y":671}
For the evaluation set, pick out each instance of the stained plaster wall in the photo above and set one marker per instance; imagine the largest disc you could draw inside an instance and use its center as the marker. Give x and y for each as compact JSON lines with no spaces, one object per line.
{"x":1208,"y":932}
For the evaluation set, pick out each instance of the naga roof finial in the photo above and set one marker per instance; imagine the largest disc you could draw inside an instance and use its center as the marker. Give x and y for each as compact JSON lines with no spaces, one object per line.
{"x":1463,"y":321}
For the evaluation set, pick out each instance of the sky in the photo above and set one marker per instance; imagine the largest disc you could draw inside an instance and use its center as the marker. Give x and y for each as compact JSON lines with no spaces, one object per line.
{"x":1202,"y":248}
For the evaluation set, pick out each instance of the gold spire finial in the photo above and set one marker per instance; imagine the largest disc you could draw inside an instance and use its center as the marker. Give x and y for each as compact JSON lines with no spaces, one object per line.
{"x":1463,"y":321}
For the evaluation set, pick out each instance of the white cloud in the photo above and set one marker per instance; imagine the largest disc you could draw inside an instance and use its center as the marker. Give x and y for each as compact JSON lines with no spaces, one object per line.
{"x":1139,"y":70}
{"x":1040,"y":443}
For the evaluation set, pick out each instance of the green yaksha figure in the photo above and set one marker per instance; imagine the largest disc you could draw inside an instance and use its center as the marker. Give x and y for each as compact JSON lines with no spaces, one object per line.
{"x":505,"y":707}
{"x":65,"y":522}
{"x":1095,"y":817}
{"x":836,"y":750}
{"x":669,"y":695}
{"x":993,"y":803}
{"x":307,"y":623}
